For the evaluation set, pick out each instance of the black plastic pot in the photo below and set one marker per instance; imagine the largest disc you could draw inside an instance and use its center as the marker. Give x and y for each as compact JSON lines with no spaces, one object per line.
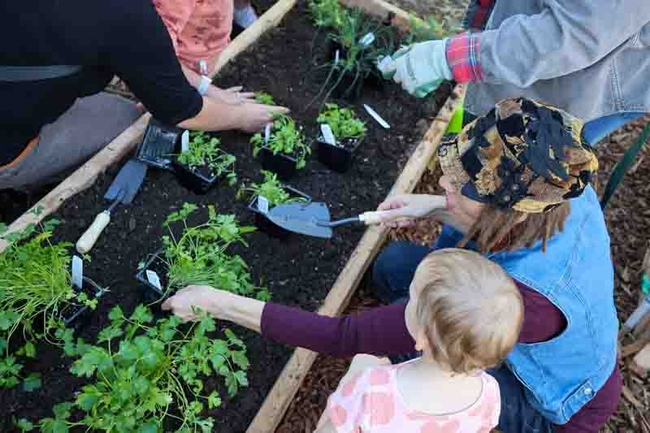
{"x":159,"y":144}
{"x":76,"y":315}
{"x":268,"y":226}
{"x":199,"y":180}
{"x":338,"y":157}
{"x":150,"y":293}
{"x":284,"y":166}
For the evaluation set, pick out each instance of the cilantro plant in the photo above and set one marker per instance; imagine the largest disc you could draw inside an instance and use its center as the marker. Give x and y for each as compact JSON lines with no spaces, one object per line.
{"x":204,"y":151}
{"x":200,"y":256}
{"x":153,"y":374}
{"x":427,"y":30}
{"x":343,"y":121}
{"x":264,"y":98}
{"x":285,"y":138}
{"x":271,"y":189}
{"x":35,"y":287}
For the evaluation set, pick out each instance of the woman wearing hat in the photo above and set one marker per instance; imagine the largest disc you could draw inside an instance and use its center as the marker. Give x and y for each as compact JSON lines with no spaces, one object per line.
{"x":516,"y":189}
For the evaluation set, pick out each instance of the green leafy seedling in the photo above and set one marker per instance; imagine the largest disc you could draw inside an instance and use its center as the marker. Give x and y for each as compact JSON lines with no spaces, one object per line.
{"x":264,"y":98}
{"x":271,"y":189}
{"x":343,"y":121}
{"x":286,"y":138}
{"x":205,"y":151}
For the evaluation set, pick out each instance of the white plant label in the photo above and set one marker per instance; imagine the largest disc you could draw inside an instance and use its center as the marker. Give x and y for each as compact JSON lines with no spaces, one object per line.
{"x":367,"y":40}
{"x":336,"y":57}
{"x":328,"y":135}
{"x":263,"y":204}
{"x":185,"y":141}
{"x":267,"y":133}
{"x":77,"y":271}
{"x":153,"y":279}
{"x":384,"y":63}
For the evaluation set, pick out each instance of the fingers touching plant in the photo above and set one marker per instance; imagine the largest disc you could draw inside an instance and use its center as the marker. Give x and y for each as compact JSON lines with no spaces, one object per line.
{"x":35,"y":287}
{"x":286,"y":138}
{"x":199,"y":255}
{"x":153,"y":377}
{"x":343,"y":121}
{"x":204,"y":151}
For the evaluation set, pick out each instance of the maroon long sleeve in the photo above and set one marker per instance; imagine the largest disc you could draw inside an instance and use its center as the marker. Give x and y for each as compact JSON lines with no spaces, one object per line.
{"x":382,"y":331}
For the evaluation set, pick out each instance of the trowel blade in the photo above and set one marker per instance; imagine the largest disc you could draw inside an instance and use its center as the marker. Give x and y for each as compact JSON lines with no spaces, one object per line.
{"x":302,"y":218}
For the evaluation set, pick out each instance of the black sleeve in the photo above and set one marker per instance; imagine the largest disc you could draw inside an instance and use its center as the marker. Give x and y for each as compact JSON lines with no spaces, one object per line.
{"x":141,"y":53}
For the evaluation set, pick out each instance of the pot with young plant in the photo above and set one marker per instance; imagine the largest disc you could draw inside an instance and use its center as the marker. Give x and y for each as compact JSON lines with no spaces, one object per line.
{"x":198,"y":255}
{"x":38,"y":299}
{"x":265,"y":196}
{"x":282,"y":147}
{"x":147,"y":375}
{"x":203,"y":164}
{"x":356,"y":43}
{"x":341,"y":133}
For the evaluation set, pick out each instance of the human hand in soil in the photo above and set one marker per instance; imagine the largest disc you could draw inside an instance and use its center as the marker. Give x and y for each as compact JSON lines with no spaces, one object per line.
{"x":192,"y":302}
{"x":232,"y":95}
{"x":420,"y":68}
{"x":404,"y":209}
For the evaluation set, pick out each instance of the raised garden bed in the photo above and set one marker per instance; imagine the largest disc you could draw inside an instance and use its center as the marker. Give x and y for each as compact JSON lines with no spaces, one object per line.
{"x":298,"y":272}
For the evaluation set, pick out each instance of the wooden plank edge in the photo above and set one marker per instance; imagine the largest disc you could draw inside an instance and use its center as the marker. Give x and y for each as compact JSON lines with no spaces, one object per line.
{"x":286,"y":386}
{"x":641,"y":362}
{"x":384,"y":11}
{"x":117,"y":149}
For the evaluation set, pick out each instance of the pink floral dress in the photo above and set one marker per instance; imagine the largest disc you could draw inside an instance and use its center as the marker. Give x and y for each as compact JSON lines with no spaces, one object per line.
{"x":371,"y":402}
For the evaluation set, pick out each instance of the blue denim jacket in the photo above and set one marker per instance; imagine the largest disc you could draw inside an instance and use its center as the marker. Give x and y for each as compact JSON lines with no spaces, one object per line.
{"x":576,"y":274}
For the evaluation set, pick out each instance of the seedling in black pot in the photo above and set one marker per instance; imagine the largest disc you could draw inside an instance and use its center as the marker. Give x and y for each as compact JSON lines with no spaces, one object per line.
{"x":341,"y":134}
{"x":265,"y":196}
{"x":159,"y":144}
{"x":198,"y":255}
{"x":282,"y":147}
{"x":203,"y":164}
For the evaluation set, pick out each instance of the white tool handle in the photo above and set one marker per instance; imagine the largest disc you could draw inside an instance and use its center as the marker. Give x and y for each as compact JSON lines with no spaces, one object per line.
{"x":376,"y":217}
{"x":90,"y":236}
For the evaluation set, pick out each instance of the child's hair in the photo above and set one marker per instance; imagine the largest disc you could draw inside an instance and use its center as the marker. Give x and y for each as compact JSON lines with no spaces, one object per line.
{"x":471,"y":311}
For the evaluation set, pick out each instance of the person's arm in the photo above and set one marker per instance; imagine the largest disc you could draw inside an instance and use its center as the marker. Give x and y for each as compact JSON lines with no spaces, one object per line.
{"x":140,"y":52}
{"x":567,"y":36}
{"x":380,"y":331}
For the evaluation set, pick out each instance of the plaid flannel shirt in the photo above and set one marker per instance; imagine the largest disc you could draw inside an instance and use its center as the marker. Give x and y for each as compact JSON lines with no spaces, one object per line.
{"x":463,"y":49}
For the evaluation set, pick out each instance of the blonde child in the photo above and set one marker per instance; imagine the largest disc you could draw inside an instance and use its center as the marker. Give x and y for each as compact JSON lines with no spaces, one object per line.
{"x":465,"y":315}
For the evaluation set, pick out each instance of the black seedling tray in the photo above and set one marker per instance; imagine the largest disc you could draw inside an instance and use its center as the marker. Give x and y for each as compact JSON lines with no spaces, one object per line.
{"x":159,"y":144}
{"x":284,"y":166}
{"x":199,"y":180}
{"x":268,"y":226}
{"x":150,"y":293}
{"x":75,"y":315}
{"x":338,"y":158}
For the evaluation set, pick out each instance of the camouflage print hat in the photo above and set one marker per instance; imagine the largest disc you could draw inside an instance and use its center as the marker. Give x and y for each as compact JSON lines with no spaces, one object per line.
{"x":522,"y":155}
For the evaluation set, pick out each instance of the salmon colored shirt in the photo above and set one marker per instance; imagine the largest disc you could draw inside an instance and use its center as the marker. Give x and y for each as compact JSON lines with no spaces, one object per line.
{"x":370,"y":402}
{"x":199,"y":29}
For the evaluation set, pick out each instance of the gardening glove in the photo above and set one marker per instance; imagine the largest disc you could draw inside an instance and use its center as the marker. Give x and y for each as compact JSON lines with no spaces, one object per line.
{"x":419,"y":68}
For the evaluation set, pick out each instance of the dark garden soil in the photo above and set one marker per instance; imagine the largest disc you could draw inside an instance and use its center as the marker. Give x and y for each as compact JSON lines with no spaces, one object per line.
{"x":298,"y":271}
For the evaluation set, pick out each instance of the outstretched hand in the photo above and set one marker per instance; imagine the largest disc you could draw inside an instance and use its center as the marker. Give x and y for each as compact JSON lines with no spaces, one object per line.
{"x":404,"y":209}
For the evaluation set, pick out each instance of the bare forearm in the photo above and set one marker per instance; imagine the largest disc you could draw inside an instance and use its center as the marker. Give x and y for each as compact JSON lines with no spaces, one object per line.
{"x":243,"y":311}
{"x":214,"y":116}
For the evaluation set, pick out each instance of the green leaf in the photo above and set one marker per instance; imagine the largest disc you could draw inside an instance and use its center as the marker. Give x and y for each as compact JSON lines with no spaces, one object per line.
{"x":62,"y":410}
{"x":88,"y":398}
{"x":7,"y":319}
{"x":109,"y":333}
{"x":141,"y":315}
{"x":3,"y":344}
{"x":214,"y":400}
{"x":240,"y":359}
{"x":95,"y":358}
{"x":24,"y":425}
{"x":30,"y":349}
{"x":150,"y":427}
{"x":128,"y":351}
{"x":116,"y":314}
{"x":241,"y":378}
{"x":32,"y":382}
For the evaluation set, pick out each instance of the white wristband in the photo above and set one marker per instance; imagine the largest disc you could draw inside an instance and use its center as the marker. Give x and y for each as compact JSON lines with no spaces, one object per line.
{"x":205,"y":84}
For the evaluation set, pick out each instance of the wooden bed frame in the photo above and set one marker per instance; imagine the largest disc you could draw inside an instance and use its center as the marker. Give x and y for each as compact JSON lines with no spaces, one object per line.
{"x":294,"y":372}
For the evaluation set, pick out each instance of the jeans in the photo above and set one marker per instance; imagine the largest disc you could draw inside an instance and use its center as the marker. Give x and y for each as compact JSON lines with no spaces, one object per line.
{"x":392,"y":274}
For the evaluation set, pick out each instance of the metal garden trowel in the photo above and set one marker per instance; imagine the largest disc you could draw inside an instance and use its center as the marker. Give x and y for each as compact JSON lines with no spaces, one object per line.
{"x":122,"y":190}
{"x":313,"y":219}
